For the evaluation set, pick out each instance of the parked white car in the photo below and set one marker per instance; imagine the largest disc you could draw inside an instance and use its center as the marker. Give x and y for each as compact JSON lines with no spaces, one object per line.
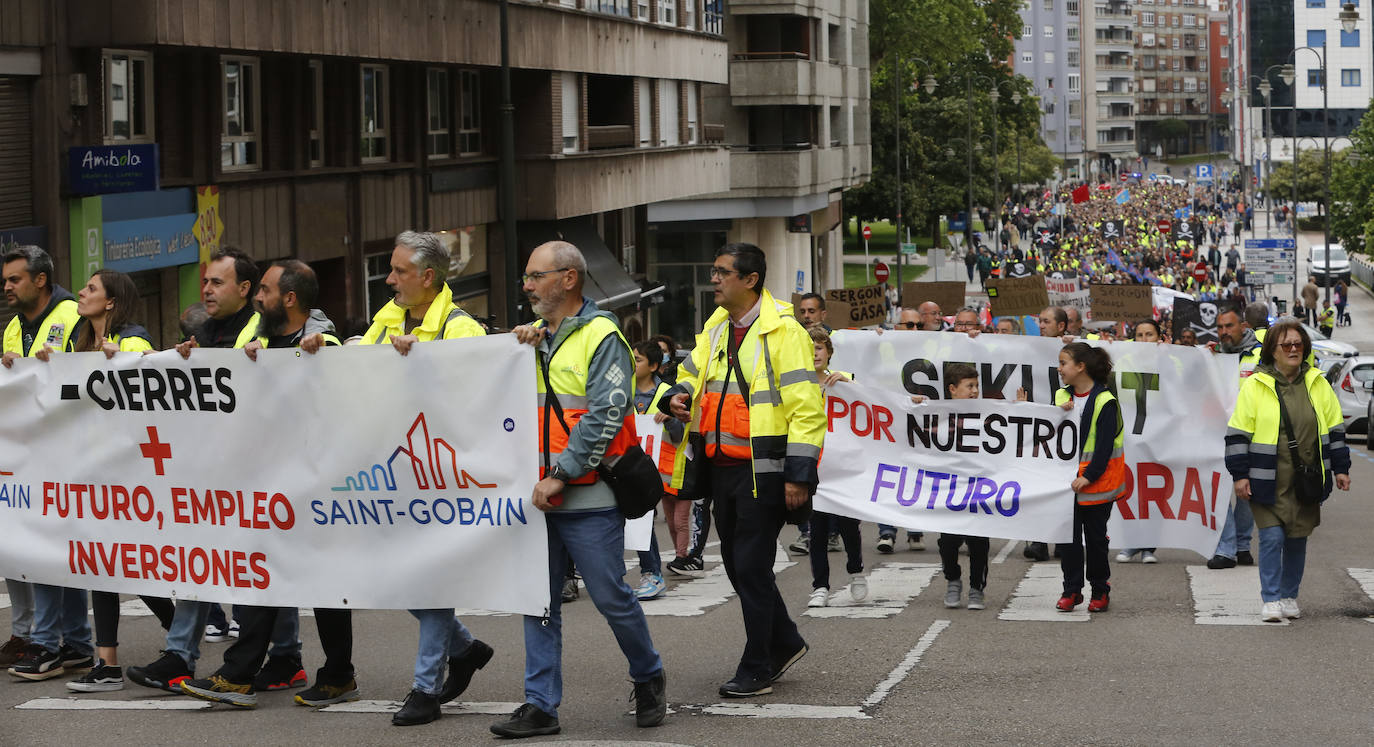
{"x":1349,"y":379}
{"x":1328,"y":263}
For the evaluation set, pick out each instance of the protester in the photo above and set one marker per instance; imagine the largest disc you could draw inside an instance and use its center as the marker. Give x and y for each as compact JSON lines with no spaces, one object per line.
{"x":961,"y":382}
{"x":585,"y":364}
{"x":847,"y":527}
{"x":1054,"y":322}
{"x":1087,"y":375}
{"x":761,"y":360}
{"x":648,"y":391}
{"x":1310,"y":292}
{"x":1285,"y":448}
{"x":924,"y":317}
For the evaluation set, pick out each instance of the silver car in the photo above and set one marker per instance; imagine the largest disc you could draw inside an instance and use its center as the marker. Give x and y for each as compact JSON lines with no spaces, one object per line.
{"x":1325,"y":347}
{"x":1353,"y":381}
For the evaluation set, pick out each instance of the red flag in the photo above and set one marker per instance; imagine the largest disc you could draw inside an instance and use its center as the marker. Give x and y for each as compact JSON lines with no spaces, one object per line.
{"x":1081,"y":194}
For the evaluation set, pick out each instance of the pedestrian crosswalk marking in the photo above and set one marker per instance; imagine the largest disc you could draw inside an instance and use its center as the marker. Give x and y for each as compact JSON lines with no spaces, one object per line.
{"x":1002,"y":554}
{"x":92,"y":704}
{"x":1365,"y":578}
{"x":392,"y":706}
{"x":1034,"y":597}
{"x":695,"y":597}
{"x":1226,"y":597}
{"x":908,"y":663}
{"x":891,"y":587}
{"x":784,"y":710}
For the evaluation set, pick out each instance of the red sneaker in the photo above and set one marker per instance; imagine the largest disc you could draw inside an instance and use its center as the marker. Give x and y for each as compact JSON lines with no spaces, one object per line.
{"x":1099,"y":602}
{"x":1067,"y":602}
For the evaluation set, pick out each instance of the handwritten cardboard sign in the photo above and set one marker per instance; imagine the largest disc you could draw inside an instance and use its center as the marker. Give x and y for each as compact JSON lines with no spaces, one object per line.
{"x":1122,"y":303}
{"x":949,"y":294}
{"x":1017,"y":296}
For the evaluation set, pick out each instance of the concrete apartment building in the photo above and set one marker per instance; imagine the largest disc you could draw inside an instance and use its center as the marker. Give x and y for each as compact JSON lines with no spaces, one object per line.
{"x":1056,"y":53}
{"x":319,"y":130}
{"x":1174,"y":77}
{"x":795,"y":114}
{"x":1114,"y":67}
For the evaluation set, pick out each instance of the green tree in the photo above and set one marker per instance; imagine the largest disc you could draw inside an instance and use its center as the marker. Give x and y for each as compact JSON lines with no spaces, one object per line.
{"x":1311,"y":178}
{"x":1352,"y":188}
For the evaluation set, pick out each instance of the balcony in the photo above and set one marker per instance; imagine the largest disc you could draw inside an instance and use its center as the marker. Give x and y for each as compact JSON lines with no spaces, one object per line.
{"x":713,"y":133}
{"x":792,"y":172}
{"x":610,"y":136}
{"x":564,"y":186}
{"x":763,"y":78}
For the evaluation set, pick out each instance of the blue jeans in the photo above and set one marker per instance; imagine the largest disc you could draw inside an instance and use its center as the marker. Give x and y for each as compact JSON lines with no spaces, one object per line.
{"x":188,"y":625}
{"x":21,"y":607}
{"x":887,"y":530}
{"x":1281,"y":562}
{"x":59,"y":616}
{"x":1235,"y":535}
{"x":596,"y":541}
{"x":651,"y":561}
{"x":442,"y":635}
{"x":286,"y":634}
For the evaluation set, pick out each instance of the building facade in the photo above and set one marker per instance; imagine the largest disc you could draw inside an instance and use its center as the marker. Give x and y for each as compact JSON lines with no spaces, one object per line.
{"x":1057,"y":52}
{"x":1174,"y":77}
{"x":1114,"y":62}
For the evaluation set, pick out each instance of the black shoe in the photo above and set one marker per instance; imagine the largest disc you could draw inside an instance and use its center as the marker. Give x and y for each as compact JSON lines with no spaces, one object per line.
{"x":782,"y":664}
{"x":527,"y":721}
{"x":1036,"y":551}
{"x":689,"y":566}
{"x":419,"y":708}
{"x":1219,"y":562}
{"x":461,"y":669}
{"x":743,"y":686}
{"x":164,"y":674}
{"x":325,"y":694}
{"x":38,"y":664}
{"x":570,"y":591}
{"x":651,"y":701}
{"x":1245,"y":558}
{"x":280,"y":673}
{"x":73,"y":659}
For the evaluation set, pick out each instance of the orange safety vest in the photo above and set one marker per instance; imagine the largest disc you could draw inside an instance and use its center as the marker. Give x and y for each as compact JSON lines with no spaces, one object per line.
{"x":667,"y":450}
{"x":567,"y":372}
{"x":1112,"y":484}
{"x":724,"y":410}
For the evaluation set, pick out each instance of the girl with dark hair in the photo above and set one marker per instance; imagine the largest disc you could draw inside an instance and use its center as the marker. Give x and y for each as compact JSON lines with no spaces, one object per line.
{"x":648,"y":391}
{"x":1087,"y":375}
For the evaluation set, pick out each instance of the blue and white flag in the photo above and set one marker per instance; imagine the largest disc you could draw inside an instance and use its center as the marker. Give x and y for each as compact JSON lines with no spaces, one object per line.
{"x":1123,"y":197}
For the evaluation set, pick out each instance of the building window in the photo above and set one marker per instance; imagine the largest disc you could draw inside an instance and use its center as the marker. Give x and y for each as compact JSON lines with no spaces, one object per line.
{"x":1028,"y":58}
{"x":713,"y":16}
{"x":613,"y":7}
{"x":689,"y":14}
{"x":1049,"y":31}
{"x":1071,"y":7}
{"x":642,"y":9}
{"x":1316,"y":38}
{"x":1202,"y":65}
{"x":1048,"y":6}
{"x":1225,"y":52}
{"x":667,"y":12}
{"x":374,"y":113}
{"x":692,"y":128}
{"x":572,"y":90}
{"x":469,"y":113}
{"x":1074,"y":85}
{"x":1147,"y":18}
{"x":439,"y":113}
{"x":1350,"y":77}
{"x":238,"y":144}
{"x":314,"y":102}
{"x":1071,"y":58}
{"x":1350,"y":38}
{"x":646,"y":111}
{"x":1026,"y":31}
{"x":667,"y":113}
{"x":1314,"y":78}
{"x":128,"y":97}
{"x":1071,"y":33}
{"x":1316,"y":3}
{"x":1049,"y":58}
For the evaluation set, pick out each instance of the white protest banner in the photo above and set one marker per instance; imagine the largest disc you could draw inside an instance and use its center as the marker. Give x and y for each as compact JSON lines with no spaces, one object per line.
{"x":639,"y":532}
{"x":961,"y":466}
{"x":353,"y":478}
{"x":1064,"y":291}
{"x":1175,"y":402}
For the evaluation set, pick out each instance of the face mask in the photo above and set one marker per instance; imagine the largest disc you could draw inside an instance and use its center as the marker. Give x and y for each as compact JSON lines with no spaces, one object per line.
{"x":665,"y":358}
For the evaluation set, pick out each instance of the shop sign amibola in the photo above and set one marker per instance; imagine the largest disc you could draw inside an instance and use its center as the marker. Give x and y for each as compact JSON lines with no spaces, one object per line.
{"x":106,"y":169}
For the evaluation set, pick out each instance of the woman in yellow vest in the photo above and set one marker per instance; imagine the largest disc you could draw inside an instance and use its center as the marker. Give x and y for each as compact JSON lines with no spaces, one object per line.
{"x":649,"y":389}
{"x":1087,"y":375}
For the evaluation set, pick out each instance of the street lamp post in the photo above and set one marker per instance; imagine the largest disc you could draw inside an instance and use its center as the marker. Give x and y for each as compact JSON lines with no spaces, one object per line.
{"x":970,"y":147}
{"x":929,"y":85}
{"x":1289,"y":73}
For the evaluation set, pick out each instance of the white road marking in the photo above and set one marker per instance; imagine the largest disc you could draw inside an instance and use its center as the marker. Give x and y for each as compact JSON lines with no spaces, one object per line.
{"x":1002,"y":554}
{"x":1365,"y":578}
{"x":4,"y":601}
{"x":392,"y":706}
{"x":909,"y":662}
{"x":784,"y":710}
{"x":134,"y":608}
{"x":891,"y":587}
{"x":693,"y":598}
{"x":1226,"y":597}
{"x":1035,"y":596}
{"x":91,"y":704}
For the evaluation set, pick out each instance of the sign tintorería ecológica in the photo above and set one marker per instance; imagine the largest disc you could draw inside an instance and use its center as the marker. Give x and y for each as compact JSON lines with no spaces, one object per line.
{"x":149,"y":243}
{"x":105,"y":169}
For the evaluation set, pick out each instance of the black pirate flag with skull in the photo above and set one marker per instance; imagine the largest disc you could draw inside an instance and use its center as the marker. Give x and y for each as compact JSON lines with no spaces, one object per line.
{"x":1111,"y":229}
{"x":1200,"y":317}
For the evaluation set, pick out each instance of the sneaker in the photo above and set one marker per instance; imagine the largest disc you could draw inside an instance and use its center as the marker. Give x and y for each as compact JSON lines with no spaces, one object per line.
{"x":1245,"y":558}
{"x":462,"y":668}
{"x":689,"y":566}
{"x":802,"y":546}
{"x":526,"y":721}
{"x":1148,"y":557}
{"x":745,"y":687}
{"x":651,"y":586}
{"x":419,"y":708}
{"x":233,"y":629}
{"x":101,"y":679}
{"x":953,"y":590}
{"x":1036,"y":551}
{"x":833,"y":545}
{"x":1099,"y":601}
{"x":1290,"y":608}
{"x":215,"y":634}
{"x":886,"y":544}
{"x":164,"y":674}
{"x":73,"y":659}
{"x":1068,"y":601}
{"x":12,"y":650}
{"x":858,"y":587}
{"x":975,"y":600}
{"x":280,"y":673}
{"x":38,"y":664}
{"x":1219,"y":562}
{"x":1124,"y":556}
{"x":219,"y":690}
{"x":570,"y":590}
{"x":323,"y":695}
{"x":651,"y":701}
{"x":781,"y":665}
{"x":819,"y":597}
{"x":1271,"y":612}
{"x":915,"y":542}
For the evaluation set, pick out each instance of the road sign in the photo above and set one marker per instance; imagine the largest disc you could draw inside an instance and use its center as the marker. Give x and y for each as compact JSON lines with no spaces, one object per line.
{"x":909,"y":248}
{"x":1164,"y":225}
{"x":1123,"y":177}
{"x":1270,"y":244}
{"x":880,"y":272}
{"x":1271,"y":260}
{"x":868,"y":233}
{"x":1204,"y":172}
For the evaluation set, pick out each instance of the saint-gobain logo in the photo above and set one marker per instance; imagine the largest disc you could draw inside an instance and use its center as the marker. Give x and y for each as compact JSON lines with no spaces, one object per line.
{"x":508,"y":424}
{"x":433,"y":462}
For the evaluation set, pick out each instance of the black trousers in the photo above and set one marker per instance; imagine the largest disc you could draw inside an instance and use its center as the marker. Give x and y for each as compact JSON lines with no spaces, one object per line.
{"x":1089,"y":546}
{"x":244,"y":658}
{"x":105,"y":611}
{"x":822,"y":524}
{"x":748,"y":529}
{"x":977,"y":558}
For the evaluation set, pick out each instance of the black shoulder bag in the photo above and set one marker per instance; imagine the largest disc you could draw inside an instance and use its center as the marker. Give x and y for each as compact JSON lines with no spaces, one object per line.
{"x":1307,"y":480}
{"x":634,"y":479}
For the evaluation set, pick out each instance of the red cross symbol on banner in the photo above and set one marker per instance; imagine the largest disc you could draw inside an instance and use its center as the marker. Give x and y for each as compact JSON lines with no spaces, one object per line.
{"x":155,"y":450}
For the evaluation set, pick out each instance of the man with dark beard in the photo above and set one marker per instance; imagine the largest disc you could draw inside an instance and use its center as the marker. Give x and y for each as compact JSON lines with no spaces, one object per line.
{"x":285,"y":301}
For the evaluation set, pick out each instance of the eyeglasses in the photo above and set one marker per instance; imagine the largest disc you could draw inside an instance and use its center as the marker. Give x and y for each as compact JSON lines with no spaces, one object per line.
{"x":908,"y":325}
{"x":720,"y":272}
{"x":1291,"y":345}
{"x":966,"y":324}
{"x":534,"y":276}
